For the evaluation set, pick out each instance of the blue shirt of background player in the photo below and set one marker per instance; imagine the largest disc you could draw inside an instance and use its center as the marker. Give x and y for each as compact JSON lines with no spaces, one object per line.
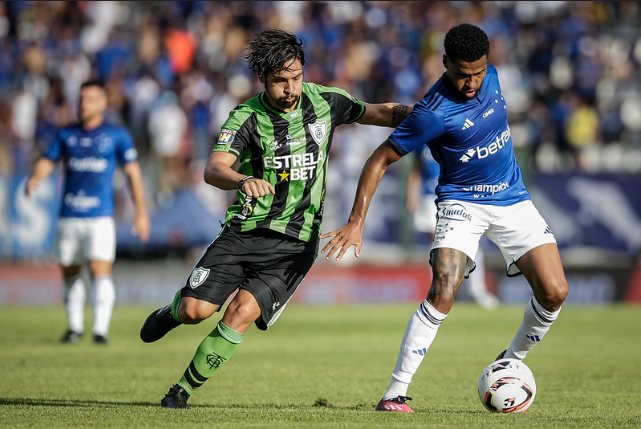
{"x":471,"y":141}
{"x":90,"y":159}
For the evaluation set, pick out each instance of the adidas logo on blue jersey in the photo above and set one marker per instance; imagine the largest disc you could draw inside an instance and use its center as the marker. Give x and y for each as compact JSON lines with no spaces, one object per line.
{"x":468,"y":124}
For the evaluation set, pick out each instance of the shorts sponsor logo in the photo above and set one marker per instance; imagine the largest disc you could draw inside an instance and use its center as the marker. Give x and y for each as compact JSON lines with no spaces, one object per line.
{"x":456,"y":212}
{"x":198,"y":276}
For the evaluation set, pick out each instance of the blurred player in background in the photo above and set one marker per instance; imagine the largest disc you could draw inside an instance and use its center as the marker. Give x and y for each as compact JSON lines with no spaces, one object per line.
{"x":281,"y":139}
{"x":86,"y":234}
{"x":421,"y":203}
{"x":463,"y":120}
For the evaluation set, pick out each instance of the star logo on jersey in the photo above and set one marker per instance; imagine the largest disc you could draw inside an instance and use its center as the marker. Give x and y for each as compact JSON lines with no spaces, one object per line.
{"x":284,"y":176}
{"x":468,"y":124}
{"x":318,"y":130}
{"x":198,"y":276}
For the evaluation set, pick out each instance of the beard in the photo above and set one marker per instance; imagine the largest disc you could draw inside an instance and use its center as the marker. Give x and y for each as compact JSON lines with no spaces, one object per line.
{"x":284,"y":104}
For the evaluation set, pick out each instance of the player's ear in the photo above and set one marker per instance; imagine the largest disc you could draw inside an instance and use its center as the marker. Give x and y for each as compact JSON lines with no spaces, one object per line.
{"x":261,"y":78}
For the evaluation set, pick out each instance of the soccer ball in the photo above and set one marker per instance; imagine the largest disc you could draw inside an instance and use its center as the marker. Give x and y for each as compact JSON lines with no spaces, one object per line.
{"x":507,"y":386}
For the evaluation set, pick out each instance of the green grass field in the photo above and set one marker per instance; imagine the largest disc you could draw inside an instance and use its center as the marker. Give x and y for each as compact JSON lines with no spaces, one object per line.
{"x":321,"y":367}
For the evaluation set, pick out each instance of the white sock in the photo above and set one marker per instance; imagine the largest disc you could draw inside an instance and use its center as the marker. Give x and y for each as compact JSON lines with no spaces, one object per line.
{"x":74,"y":295}
{"x":477,"y":286}
{"x":476,"y":281}
{"x":536,"y":322}
{"x":104,"y":299}
{"x":419,"y":334}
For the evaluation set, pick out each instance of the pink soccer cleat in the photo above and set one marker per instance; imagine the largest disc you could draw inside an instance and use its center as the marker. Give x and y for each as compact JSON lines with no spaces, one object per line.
{"x":395,"y":404}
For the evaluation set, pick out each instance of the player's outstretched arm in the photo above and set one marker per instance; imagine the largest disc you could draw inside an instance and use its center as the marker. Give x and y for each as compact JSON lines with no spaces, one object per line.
{"x":41,"y":170}
{"x":141,"y":225}
{"x":385,"y":114}
{"x":352,"y":233}
{"x":219,"y":173}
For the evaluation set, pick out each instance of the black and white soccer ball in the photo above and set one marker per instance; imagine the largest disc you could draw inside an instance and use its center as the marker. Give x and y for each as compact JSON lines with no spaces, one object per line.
{"x":507,"y":386}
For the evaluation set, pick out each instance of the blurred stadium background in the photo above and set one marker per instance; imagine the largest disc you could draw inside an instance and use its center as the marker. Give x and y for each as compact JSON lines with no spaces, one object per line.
{"x":571,"y":73}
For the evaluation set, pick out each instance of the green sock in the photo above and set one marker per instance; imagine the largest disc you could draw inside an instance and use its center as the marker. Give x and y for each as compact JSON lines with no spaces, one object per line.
{"x":219,"y":345}
{"x":175,"y":304}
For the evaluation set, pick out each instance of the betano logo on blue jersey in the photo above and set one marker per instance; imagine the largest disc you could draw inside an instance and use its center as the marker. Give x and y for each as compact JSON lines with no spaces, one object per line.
{"x":483,"y":152}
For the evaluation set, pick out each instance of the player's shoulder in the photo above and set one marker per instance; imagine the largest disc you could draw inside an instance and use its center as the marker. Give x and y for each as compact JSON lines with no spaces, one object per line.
{"x":491,"y":70}
{"x":115,"y":129}
{"x":241,"y":113}
{"x":70,"y":129}
{"x":437,"y":99}
{"x":317,"y":90}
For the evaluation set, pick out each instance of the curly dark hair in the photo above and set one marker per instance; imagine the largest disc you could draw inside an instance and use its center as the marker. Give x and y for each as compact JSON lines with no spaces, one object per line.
{"x":466,"y":42}
{"x":268,"y":51}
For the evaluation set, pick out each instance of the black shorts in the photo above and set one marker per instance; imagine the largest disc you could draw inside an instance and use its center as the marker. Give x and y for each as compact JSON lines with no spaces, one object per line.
{"x":269,"y":266}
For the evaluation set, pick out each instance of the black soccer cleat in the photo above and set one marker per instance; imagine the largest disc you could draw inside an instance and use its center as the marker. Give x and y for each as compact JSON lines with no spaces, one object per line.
{"x":175,"y":398}
{"x":99,"y":339}
{"x":158,"y":324}
{"x":501,"y":355}
{"x":71,"y":337}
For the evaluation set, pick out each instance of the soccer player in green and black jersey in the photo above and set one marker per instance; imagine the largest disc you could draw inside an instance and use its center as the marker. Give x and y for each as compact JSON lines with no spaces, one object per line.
{"x":281,"y":140}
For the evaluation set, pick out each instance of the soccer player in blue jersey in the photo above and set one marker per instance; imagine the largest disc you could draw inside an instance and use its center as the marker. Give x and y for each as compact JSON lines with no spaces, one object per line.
{"x":421,"y":203}
{"x":463,"y":120}
{"x":86,"y":234}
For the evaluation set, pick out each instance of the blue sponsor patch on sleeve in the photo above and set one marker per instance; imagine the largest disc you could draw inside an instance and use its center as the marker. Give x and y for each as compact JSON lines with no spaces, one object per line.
{"x":226,"y":136}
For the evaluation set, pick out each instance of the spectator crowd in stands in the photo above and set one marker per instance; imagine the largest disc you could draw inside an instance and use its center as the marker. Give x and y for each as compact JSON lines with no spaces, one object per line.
{"x":570,"y":72}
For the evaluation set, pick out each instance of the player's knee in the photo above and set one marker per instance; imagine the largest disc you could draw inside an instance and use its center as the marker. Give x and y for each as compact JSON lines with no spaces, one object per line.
{"x":191,"y":314}
{"x":243,"y":312}
{"x":554,"y":295}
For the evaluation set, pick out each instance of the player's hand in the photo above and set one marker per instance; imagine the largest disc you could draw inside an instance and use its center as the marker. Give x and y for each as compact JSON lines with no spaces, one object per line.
{"x":30,"y":186}
{"x":343,"y":238}
{"x":141,"y":227}
{"x":257,"y":188}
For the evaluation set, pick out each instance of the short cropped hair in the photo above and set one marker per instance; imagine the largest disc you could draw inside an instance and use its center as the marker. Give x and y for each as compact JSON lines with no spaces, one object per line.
{"x":268,"y":51}
{"x":93,"y":82}
{"x":466,"y":42}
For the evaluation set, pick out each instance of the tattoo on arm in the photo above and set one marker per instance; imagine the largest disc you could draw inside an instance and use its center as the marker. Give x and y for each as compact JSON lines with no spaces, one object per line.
{"x":399,"y":113}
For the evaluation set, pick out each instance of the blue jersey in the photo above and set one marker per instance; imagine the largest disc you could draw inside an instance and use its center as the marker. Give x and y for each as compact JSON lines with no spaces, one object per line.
{"x":471,"y":141}
{"x":429,"y":170}
{"x":90,"y":158}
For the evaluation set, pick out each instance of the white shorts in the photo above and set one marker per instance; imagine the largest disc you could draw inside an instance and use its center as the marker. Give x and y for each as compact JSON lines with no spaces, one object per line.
{"x":82,"y":239}
{"x":515,"y":229}
{"x":425,"y":215}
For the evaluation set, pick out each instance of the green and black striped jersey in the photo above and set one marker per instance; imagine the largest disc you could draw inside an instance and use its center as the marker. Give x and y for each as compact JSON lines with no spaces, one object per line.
{"x":289,"y":150}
